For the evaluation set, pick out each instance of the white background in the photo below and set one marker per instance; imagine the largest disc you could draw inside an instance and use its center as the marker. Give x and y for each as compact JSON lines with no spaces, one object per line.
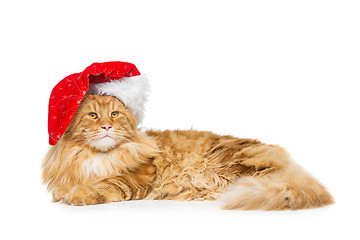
{"x":285,"y":72}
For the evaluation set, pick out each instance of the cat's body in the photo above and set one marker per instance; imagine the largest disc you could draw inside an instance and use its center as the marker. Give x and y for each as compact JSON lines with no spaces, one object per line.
{"x":105,"y":159}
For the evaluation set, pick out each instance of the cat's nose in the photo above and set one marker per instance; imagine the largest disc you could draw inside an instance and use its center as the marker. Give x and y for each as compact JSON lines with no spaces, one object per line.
{"x":106,"y":127}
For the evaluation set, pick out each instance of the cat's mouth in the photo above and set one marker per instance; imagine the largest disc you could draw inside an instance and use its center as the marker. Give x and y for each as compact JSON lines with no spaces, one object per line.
{"x":106,"y":136}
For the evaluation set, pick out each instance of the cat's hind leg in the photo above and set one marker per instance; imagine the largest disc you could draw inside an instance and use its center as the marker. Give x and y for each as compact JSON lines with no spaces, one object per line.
{"x":264,"y":158}
{"x":277,"y":183}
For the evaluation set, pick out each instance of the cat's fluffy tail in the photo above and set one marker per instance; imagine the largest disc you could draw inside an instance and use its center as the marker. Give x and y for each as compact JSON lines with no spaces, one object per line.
{"x":291,"y":188}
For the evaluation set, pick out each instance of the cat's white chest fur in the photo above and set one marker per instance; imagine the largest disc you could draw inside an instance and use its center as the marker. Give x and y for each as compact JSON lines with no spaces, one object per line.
{"x":99,"y":165}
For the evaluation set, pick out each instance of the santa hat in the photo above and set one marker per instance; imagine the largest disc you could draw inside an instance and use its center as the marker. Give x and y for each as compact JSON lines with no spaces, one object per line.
{"x":119,"y":79}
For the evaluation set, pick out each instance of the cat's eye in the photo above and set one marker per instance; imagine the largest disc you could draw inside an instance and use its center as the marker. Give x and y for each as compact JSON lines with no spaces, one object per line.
{"x":114,"y":114}
{"x":93,"y":115}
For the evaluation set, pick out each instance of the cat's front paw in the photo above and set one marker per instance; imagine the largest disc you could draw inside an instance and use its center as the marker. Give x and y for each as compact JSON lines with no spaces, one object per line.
{"x":80,"y":196}
{"x":77,"y":196}
{"x":60,"y":193}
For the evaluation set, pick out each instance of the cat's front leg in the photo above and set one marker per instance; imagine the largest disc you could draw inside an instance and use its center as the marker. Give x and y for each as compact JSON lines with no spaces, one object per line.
{"x":78,"y":195}
{"x":105,"y":191}
{"x":131,"y":186}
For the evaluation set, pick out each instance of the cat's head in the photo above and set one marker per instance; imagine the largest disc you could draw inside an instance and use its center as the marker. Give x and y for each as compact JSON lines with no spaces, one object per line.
{"x":101,"y":123}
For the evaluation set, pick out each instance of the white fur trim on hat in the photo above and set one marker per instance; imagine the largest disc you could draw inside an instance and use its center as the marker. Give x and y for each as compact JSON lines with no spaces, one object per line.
{"x":132,"y":91}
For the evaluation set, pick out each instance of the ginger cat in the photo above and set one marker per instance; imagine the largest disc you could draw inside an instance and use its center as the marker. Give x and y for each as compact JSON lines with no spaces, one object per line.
{"x":103,"y":158}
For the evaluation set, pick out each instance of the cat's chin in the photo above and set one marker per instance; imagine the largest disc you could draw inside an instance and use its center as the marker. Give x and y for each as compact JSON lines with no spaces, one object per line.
{"x":103,"y":144}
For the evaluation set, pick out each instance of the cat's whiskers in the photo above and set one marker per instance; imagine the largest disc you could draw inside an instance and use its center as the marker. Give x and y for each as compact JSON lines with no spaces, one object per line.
{"x":82,"y":141}
{"x":88,"y":141}
{"x":80,"y":138}
{"x":120,"y":131}
{"x":123,"y":135}
{"x":124,"y":138}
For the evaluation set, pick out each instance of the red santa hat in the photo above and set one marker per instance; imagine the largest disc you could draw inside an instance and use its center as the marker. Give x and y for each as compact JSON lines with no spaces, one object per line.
{"x":119,"y":79}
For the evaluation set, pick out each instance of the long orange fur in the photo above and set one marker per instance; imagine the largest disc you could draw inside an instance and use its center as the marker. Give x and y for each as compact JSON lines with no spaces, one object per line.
{"x":82,"y":168}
